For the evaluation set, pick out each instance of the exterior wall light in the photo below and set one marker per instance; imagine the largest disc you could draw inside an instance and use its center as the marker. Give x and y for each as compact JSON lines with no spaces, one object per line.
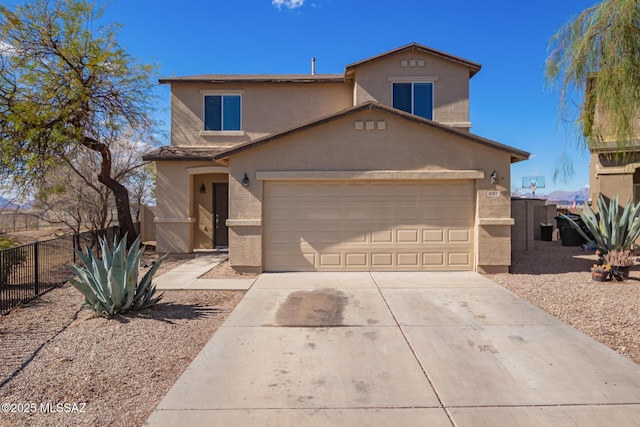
{"x":203,"y":189}
{"x":245,"y":181}
{"x":494,"y":177}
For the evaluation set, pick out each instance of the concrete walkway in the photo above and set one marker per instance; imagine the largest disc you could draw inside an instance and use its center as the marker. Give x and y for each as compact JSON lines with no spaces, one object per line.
{"x":402,"y":349}
{"x":186,"y":276}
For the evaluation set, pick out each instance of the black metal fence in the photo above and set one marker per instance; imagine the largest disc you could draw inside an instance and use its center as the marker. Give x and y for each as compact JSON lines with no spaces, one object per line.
{"x":30,"y":270}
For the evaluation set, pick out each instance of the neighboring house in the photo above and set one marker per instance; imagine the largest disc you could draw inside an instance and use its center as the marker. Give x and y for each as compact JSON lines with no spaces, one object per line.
{"x":614,"y":168}
{"x":615,"y":176}
{"x":372,"y":169}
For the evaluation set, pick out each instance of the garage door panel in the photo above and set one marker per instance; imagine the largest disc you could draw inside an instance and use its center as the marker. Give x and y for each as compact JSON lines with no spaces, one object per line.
{"x":459,"y":259}
{"x":459,"y":236}
{"x":356,"y":237}
{"x":382,"y":236}
{"x":408,"y":213}
{"x":433,"y":259}
{"x":278,"y":237}
{"x":433,"y":236}
{"x":301,"y":262}
{"x":382,"y":259}
{"x":379,"y":212}
{"x":382,"y":188}
{"x":356,"y":213}
{"x":408,"y":259}
{"x":458,"y":189}
{"x":330,"y":260}
{"x":434,"y":214}
{"x":368,"y":226}
{"x":356,"y":260}
{"x":407,"y":236}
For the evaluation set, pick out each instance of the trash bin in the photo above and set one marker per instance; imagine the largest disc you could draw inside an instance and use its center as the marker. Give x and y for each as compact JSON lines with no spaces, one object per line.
{"x":546,"y":232}
{"x":569,"y":235}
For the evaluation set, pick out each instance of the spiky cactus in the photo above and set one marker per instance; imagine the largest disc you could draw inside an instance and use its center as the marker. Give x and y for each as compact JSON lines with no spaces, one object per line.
{"x":110,"y":284}
{"x":610,"y":229}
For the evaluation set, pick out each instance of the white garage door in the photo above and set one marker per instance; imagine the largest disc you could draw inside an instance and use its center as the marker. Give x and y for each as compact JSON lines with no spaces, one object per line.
{"x":368,"y":225}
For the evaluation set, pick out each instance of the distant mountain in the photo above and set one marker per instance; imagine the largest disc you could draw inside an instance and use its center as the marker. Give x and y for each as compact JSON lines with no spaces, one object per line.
{"x":9,"y":204}
{"x":566,"y":197}
{"x":560,"y":196}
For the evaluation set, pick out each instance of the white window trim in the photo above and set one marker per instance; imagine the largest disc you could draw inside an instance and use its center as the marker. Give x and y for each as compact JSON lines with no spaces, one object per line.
{"x":423,"y":79}
{"x":222,"y":132}
{"x":209,"y":92}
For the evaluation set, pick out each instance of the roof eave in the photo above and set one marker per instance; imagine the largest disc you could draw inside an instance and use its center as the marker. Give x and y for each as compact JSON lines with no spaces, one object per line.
{"x":474,"y":67}
{"x":221,"y":78}
{"x":516,"y":155}
{"x":179,"y":153}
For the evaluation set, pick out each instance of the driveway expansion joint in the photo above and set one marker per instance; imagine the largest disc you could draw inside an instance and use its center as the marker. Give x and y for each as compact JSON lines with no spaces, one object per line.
{"x":491,"y":355}
{"x":413,"y":352}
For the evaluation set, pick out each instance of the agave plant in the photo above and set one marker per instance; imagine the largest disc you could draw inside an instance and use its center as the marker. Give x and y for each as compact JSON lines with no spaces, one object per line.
{"x":110,"y":285}
{"x":611,"y":230}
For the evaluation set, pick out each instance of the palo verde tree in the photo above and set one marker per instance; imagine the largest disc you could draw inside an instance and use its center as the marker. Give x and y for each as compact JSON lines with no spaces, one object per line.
{"x":65,"y":84}
{"x":595,"y":62}
{"x":73,"y":196}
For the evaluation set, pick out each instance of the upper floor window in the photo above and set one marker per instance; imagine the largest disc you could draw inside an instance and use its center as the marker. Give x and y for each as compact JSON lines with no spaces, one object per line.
{"x":222,"y":112}
{"x":414,"y":98}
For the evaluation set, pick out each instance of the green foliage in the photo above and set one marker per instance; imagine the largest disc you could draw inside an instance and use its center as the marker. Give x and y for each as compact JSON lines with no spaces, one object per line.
{"x":110,"y":285}
{"x":594,"y":61}
{"x":11,"y":256}
{"x":67,"y":86}
{"x":611,"y":230}
{"x":8,"y":242}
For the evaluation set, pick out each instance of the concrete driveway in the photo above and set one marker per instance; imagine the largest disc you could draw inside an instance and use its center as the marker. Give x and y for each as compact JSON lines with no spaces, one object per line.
{"x":402,"y":349}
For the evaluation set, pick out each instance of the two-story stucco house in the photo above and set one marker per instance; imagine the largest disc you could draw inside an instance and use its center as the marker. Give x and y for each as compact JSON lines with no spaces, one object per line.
{"x":371,"y":169}
{"x":615,"y":171}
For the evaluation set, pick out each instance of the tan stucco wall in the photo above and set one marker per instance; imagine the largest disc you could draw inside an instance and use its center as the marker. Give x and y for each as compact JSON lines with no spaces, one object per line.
{"x":620,"y":185}
{"x":450,"y":90}
{"x":266,"y":108}
{"x":611,"y":179}
{"x":181,"y":209}
{"x":402,"y":146}
{"x":594,"y":181}
{"x":528,"y":214}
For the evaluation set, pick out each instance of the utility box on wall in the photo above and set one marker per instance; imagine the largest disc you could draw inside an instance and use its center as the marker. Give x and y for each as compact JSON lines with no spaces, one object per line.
{"x":528,"y":215}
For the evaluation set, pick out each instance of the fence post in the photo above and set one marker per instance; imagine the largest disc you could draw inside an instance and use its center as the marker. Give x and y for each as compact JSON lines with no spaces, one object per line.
{"x":36,"y":279}
{"x":76,"y":245}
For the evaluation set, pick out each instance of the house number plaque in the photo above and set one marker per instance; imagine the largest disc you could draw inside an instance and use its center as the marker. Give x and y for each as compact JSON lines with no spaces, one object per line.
{"x":493,"y":194}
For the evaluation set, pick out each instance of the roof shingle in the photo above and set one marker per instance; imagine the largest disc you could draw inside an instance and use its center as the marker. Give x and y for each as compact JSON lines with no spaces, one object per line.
{"x":170,"y":152}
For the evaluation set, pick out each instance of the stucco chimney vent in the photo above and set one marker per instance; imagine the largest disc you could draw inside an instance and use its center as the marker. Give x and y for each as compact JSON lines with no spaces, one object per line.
{"x":313,"y":66}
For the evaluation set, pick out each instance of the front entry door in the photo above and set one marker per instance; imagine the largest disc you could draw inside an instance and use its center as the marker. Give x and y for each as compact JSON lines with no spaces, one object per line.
{"x":221,"y":213}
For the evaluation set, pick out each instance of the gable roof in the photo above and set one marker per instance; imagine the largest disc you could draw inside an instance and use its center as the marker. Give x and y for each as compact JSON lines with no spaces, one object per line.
{"x":172,"y":152}
{"x":473,"y":67}
{"x":349,"y":70}
{"x":516,"y":155}
{"x":256,"y":78}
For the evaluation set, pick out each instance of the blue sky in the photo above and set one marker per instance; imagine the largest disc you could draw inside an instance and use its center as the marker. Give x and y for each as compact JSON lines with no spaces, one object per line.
{"x":510,"y":102}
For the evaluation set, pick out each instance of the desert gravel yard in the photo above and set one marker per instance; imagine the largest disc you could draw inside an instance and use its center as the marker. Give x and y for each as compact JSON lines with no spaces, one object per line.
{"x":115,"y":371}
{"x":118,"y":370}
{"x":557,"y":279}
